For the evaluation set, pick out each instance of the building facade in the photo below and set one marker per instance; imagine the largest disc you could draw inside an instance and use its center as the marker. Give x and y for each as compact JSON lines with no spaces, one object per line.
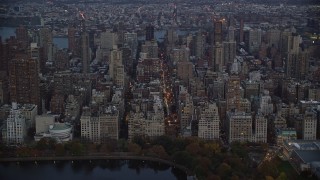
{"x":209,"y":123}
{"x":239,"y":127}
{"x":24,"y":81}
{"x":100,"y":125}
{"x":16,"y":130}
{"x":309,"y":125}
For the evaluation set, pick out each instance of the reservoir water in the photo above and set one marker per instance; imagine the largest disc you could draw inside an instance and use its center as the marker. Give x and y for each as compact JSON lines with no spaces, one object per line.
{"x":83,"y":170}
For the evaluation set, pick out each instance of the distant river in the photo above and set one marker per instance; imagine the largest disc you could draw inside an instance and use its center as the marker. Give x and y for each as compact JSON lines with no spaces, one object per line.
{"x":84,"y":170}
{"x":62,"y":42}
{"x":6,"y":32}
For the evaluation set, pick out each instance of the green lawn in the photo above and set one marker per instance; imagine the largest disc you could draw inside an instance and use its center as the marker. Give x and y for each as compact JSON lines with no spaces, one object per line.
{"x":286,"y":167}
{"x":291,"y":173}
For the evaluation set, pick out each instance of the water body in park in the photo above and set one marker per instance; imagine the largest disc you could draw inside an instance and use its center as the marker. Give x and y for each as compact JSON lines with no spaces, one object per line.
{"x":85,"y":169}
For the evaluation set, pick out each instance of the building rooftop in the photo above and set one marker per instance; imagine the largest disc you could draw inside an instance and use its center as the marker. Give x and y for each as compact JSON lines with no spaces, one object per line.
{"x":309,"y":156}
{"x":288,"y":131}
{"x":303,"y":145}
{"x":28,"y":107}
{"x":60,"y":126}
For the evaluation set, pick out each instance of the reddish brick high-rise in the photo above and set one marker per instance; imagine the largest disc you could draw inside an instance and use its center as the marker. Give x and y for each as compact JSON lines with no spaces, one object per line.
{"x":241,"y":30}
{"x":72,"y":39}
{"x":22,"y":37}
{"x":24,"y":81}
{"x":233,"y":94}
{"x":5,"y":55}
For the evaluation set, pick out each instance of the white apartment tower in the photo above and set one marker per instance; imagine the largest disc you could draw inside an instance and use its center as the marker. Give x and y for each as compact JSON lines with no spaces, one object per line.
{"x":16,"y":126}
{"x":209,"y":122}
{"x":239,"y":126}
{"x":100,"y":126}
{"x":309,"y":125}
{"x":90,"y":128}
{"x":266,"y":105}
{"x":109,"y":124}
{"x":260,"y":129}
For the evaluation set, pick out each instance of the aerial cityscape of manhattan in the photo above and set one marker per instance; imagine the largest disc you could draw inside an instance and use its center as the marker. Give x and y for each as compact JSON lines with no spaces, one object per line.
{"x":160,"y":89}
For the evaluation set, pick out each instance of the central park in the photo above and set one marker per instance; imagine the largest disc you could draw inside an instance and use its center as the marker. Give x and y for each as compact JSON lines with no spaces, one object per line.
{"x":200,"y":158}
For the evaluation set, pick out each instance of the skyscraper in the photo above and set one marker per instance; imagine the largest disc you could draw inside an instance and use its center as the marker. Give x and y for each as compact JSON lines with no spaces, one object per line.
{"x":254,"y":40}
{"x":45,"y":36}
{"x":22,"y":36}
{"x":186,"y":108}
{"x":175,"y":13}
{"x":108,"y":40}
{"x":229,"y":48}
{"x":273,"y":37}
{"x":229,"y":54}
{"x":6,"y":54}
{"x":200,"y":41}
{"x":241,"y":30}
{"x":46,"y":41}
{"x":181,"y":54}
{"x":116,"y":68}
{"x":61,"y":60}
{"x":290,"y":42}
{"x":296,"y":56}
{"x":185,"y":70}
{"x":85,"y":52}
{"x":131,"y":39}
{"x":72,"y":39}
{"x":218,"y":58}
{"x":233,"y":95}
{"x":24,"y":81}
{"x":309,"y":125}
{"x":218,"y":32}
{"x":231,"y":34}
{"x":151,"y":48}
{"x":149,"y":33}
{"x":172,"y":36}
{"x":297,"y":64}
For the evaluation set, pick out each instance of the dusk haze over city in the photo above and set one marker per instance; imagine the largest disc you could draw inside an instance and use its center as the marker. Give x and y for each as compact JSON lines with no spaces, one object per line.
{"x":160,"y":89}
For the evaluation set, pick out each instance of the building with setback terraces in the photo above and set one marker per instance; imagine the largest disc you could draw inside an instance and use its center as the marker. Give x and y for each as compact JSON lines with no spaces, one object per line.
{"x":209,"y":123}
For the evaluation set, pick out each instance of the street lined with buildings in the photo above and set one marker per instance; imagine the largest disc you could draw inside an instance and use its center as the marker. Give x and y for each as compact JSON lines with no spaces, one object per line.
{"x":220,"y":71}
